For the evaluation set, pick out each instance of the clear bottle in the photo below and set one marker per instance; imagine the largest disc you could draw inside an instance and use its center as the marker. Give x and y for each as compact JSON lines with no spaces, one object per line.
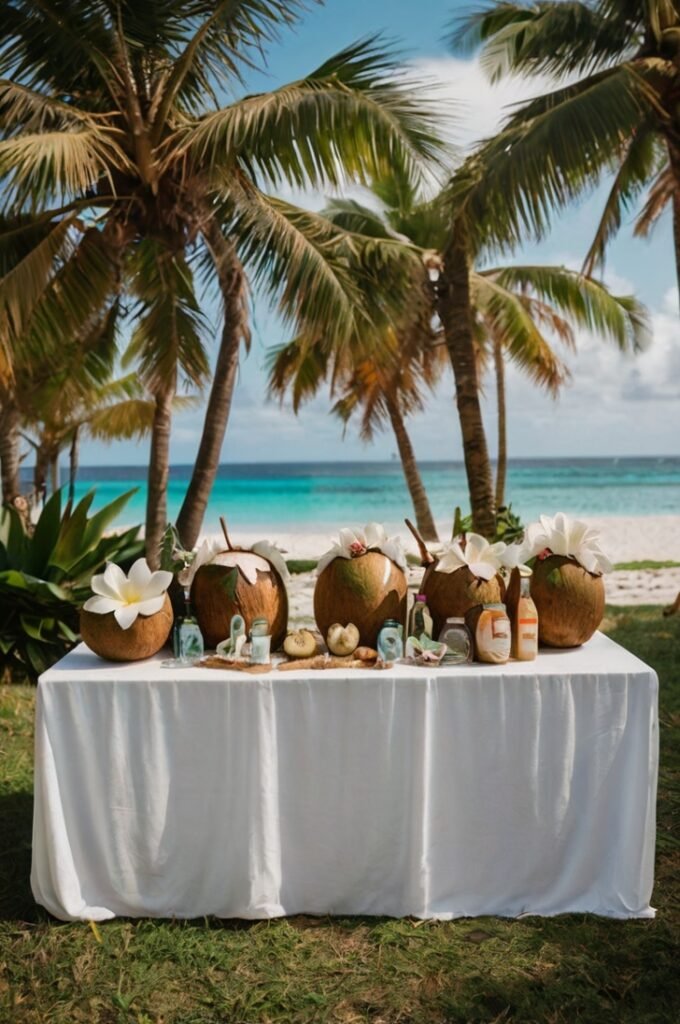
{"x":525,"y":625}
{"x":260,"y":642}
{"x":457,"y":637}
{"x":420,"y":620}
{"x":187,"y":639}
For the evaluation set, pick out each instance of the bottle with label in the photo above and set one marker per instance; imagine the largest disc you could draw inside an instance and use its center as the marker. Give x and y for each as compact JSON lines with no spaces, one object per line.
{"x":420,"y":620}
{"x":260,"y":642}
{"x":187,"y":639}
{"x":525,"y":625}
{"x":490,"y":627}
{"x":391,"y":640}
{"x":458,"y":639}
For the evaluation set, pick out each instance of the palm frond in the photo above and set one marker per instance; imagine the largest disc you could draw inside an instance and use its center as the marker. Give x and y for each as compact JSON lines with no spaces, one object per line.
{"x":354,"y":117}
{"x":660,"y":195}
{"x":55,"y":166}
{"x":298,"y":368}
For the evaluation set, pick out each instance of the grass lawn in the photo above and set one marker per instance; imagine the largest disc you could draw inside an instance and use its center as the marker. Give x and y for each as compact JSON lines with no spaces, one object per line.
{"x":569,"y":969}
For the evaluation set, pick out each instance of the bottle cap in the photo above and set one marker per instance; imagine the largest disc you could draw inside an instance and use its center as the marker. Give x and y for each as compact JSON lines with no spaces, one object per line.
{"x":421,"y":597}
{"x":455,"y":619}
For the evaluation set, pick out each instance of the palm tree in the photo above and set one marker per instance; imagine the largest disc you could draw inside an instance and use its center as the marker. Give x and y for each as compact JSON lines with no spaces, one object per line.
{"x":113,"y":134}
{"x":384,"y":386}
{"x":510,"y":307}
{"x":619,"y":116}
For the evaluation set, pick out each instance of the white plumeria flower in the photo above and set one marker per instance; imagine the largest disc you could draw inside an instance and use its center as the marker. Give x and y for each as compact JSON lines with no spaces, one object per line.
{"x":570,"y":538}
{"x":373,"y":537}
{"x":514,"y":557}
{"x":141,"y":592}
{"x":482,"y":558}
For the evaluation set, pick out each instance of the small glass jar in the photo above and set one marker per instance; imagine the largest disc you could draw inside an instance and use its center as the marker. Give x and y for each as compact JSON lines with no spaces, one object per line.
{"x":260,"y":642}
{"x":457,"y":637}
{"x":187,"y":639}
{"x":391,"y":640}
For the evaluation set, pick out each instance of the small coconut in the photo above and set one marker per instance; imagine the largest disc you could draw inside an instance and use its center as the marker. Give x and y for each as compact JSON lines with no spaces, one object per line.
{"x":569,"y":601}
{"x":142,"y":639}
{"x":364,"y":590}
{"x":238,"y":581}
{"x":455,"y":593}
{"x":300,"y":643}
{"x":342,"y":639}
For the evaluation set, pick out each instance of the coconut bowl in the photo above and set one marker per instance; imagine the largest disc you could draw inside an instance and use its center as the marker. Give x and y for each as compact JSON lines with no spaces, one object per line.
{"x":453,"y":594}
{"x":569,"y":601}
{"x":364,"y":590}
{"x":220,"y":590}
{"x":144,"y":638}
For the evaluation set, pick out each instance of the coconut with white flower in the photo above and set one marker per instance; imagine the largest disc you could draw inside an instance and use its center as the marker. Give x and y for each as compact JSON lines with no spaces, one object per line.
{"x":361,"y":580}
{"x":566,"y":582}
{"x":129,"y":617}
{"x":228,"y":581}
{"x":465,"y":575}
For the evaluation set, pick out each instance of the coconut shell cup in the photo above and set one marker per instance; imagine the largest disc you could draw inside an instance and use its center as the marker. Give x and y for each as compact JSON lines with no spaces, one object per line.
{"x":219,"y":592}
{"x":453,"y":594}
{"x":144,"y":638}
{"x":365,"y":590}
{"x":569,"y":601}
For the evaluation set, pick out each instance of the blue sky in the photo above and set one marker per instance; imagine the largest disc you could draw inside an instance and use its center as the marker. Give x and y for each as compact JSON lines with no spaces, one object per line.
{"x":616,"y":405}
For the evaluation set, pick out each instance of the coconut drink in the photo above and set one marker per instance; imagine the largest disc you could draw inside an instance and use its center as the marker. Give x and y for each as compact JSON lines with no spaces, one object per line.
{"x":566,"y":584}
{"x":464,"y":576}
{"x":361,"y":580}
{"x":129,"y":617}
{"x":240,"y":581}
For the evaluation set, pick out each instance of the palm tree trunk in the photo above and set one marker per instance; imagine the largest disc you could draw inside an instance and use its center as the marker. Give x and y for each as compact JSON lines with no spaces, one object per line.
{"x":674,"y":154}
{"x":421,"y":504}
{"x":502,"y":460}
{"x":455,"y":312}
{"x":9,"y":453}
{"x":233,"y":288}
{"x":54,"y":473}
{"x":73,"y":458}
{"x":40,"y":472}
{"x":157,"y":480}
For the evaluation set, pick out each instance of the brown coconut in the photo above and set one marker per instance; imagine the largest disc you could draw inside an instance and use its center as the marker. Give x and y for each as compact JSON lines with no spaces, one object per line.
{"x":220,"y":590}
{"x":569,"y":601}
{"x":453,"y":594}
{"x":364,"y":590}
{"x":144,"y":638}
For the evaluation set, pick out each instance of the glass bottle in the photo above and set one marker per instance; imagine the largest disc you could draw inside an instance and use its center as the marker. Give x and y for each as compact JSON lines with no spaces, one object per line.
{"x":525,"y":625}
{"x":187,"y":639}
{"x":420,"y":620}
{"x":260,"y":642}
{"x":457,"y":637}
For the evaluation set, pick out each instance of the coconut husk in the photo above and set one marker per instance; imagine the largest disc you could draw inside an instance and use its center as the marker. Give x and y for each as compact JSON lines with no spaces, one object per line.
{"x":569,"y":601}
{"x":452,"y":594}
{"x":365,"y":590}
{"x":143,"y":639}
{"x":218,"y":592}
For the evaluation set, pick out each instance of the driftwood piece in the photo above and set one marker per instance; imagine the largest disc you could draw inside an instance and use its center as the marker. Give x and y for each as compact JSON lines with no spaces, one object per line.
{"x":322,"y":661}
{"x":212,"y":661}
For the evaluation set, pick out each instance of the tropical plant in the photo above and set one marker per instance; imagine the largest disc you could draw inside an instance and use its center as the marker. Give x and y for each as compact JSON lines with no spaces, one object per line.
{"x":45,"y":577}
{"x":111,"y":130}
{"x":618,"y":113}
{"x":512,"y":311}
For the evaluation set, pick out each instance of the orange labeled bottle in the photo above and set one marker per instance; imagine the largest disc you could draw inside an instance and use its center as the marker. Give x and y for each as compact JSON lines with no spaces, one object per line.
{"x":524,"y":625}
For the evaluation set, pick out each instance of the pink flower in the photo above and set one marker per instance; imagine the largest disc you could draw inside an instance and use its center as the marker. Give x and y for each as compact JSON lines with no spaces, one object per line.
{"x":542,"y":555}
{"x":357,"y":548}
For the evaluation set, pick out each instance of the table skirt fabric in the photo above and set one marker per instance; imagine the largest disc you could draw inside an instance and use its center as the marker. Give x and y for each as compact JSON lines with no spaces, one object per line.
{"x":441,"y":793}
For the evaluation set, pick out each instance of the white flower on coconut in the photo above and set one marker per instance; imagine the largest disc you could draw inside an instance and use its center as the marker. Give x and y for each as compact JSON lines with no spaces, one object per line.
{"x":353,"y":543}
{"x":483,"y":559}
{"x":141,"y":592}
{"x":570,"y":538}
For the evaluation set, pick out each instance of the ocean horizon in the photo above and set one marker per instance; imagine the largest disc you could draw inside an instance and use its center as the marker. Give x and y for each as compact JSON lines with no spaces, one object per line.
{"x":302,"y":495}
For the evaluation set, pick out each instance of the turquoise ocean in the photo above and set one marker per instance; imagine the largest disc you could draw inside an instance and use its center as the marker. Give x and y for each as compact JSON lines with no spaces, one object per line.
{"x":313,"y":496}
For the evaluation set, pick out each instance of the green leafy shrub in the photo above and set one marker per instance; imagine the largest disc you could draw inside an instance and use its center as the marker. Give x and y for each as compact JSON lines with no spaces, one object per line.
{"x":509,"y":526}
{"x":45,"y":577}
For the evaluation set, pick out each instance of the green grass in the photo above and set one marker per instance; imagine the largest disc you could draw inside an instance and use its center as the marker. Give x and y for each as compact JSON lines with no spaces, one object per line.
{"x":562,"y":970}
{"x":648,"y":563}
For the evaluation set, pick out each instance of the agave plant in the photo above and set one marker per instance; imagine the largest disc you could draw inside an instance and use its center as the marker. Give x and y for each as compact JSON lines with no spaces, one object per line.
{"x":45,"y":576}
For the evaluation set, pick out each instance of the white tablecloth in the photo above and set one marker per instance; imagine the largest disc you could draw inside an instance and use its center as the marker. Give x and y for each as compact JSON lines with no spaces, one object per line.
{"x":519,"y":789}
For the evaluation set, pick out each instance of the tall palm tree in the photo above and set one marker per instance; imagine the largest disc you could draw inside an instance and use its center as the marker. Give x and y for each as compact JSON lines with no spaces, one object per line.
{"x":517,"y":308}
{"x":382,"y":386}
{"x":111,"y":129}
{"x":620,"y":114}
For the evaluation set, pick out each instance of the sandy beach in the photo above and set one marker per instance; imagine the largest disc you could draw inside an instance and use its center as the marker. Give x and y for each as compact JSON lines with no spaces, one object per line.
{"x":624,"y":539}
